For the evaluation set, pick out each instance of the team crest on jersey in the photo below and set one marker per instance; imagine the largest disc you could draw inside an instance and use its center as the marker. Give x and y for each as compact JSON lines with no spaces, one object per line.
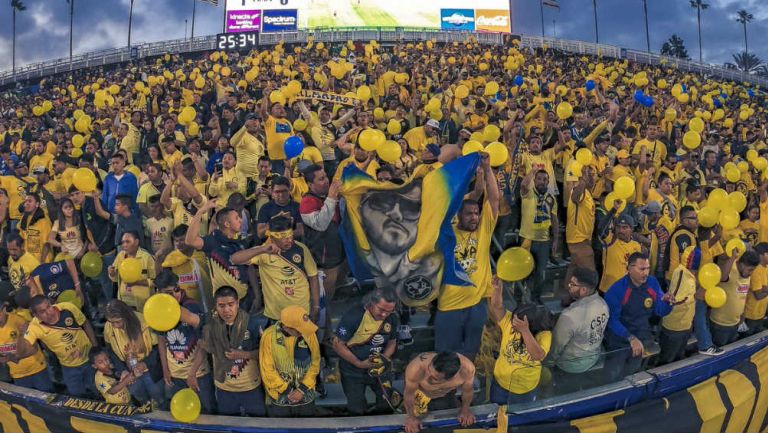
{"x":69,"y":321}
{"x":387,"y":327}
{"x":648,"y":303}
{"x":57,"y":268}
{"x":296,"y":258}
{"x":247,"y":335}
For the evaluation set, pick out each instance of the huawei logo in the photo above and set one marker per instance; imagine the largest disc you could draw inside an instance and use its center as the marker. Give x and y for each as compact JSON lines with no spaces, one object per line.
{"x":176,"y":337}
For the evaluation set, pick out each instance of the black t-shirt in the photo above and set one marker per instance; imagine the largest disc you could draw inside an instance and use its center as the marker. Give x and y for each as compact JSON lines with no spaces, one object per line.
{"x":364,"y":337}
{"x":103,"y":231}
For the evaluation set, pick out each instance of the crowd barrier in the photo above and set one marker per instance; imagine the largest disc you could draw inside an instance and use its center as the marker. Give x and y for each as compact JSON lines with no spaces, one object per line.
{"x":383,"y":35}
{"x":726,"y":393}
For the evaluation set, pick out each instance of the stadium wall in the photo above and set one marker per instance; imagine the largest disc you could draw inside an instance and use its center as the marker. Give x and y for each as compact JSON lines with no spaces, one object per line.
{"x":384,"y":35}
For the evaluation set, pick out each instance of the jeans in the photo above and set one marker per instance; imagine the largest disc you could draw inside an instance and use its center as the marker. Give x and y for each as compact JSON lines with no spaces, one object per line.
{"x":461,"y":330}
{"x":540,"y":251}
{"x":40,"y":381}
{"x":79,"y":380}
{"x":304,"y":410}
{"x":619,"y":361}
{"x":354,"y":389}
{"x":107,"y":285}
{"x":755,"y":326}
{"x":145,"y":389}
{"x":722,"y":335}
{"x":501,"y":396}
{"x":248,"y":403}
{"x":701,"y":326}
{"x":206,"y":392}
{"x":672,"y":345}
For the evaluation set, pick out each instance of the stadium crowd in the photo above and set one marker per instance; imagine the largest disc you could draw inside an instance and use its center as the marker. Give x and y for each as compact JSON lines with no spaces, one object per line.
{"x":648,"y":181}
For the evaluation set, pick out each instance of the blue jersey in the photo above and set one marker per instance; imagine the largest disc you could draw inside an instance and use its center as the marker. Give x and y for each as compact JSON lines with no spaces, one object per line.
{"x":53,"y":279}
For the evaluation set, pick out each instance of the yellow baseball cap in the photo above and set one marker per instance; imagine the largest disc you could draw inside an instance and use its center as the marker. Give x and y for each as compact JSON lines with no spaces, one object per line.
{"x":296,"y":317}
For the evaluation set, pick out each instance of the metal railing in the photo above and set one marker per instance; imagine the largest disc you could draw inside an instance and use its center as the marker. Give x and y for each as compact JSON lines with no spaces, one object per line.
{"x":385,"y":35}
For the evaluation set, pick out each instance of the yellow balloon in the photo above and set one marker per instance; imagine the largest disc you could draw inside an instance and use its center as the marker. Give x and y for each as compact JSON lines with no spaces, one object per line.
{"x":115,"y":89}
{"x":691,"y":139}
{"x":193,"y":130}
{"x":610,"y":200}
{"x":584,"y":156}
{"x":729,"y":219}
{"x":389,"y":151}
{"x":498,"y":153}
{"x":185,"y":405}
{"x":733,"y":174}
{"x":293,"y":87}
{"x":462,"y":91}
{"x":624,"y":187}
{"x":696,"y":124}
{"x":715,"y":297}
{"x":199,"y":82}
{"x":708,"y":216}
{"x":84,"y":180}
{"x":491,"y":133}
{"x":735,"y":244}
{"x":515,"y":264}
{"x":162,"y":312}
{"x":709,"y":275}
{"x":728,"y":123}
{"x":670,"y":114}
{"x":130,"y":270}
{"x":751,"y":155}
{"x":277,"y":97}
{"x":743,"y":166}
{"x":369,"y":139}
{"x":91,"y":264}
{"x":491,"y":88}
{"x":471,"y":146}
{"x":364,"y":93}
{"x":78,"y":140}
{"x":564,"y":110}
{"x":717,"y":199}
{"x":299,"y":125}
{"x":744,"y":115}
{"x":683,"y":98}
{"x":71,"y":297}
{"x":393,"y":126}
{"x":760,"y":163}
{"x":737,"y":201}
{"x":378,"y":114}
{"x":661,"y":84}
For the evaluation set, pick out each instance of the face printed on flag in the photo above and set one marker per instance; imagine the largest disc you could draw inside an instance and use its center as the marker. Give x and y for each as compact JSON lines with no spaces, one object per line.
{"x":392,"y":237}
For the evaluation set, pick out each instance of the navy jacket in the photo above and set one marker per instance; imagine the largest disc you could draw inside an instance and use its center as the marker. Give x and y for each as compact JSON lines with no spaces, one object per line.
{"x":630,"y":308}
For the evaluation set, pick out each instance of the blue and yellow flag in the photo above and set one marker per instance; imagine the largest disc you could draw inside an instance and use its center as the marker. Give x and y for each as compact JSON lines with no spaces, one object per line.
{"x":401,"y":236}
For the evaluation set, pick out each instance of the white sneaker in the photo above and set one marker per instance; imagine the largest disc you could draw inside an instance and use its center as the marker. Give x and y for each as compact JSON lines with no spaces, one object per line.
{"x":712,"y":351}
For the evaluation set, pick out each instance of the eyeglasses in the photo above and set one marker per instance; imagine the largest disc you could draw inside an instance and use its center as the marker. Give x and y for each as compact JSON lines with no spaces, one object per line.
{"x":385,"y":202}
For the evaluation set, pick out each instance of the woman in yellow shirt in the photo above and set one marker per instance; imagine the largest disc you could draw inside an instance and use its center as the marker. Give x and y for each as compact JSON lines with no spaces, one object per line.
{"x":133,"y":344}
{"x":34,"y":228}
{"x":525,"y":341}
{"x":228,"y":181}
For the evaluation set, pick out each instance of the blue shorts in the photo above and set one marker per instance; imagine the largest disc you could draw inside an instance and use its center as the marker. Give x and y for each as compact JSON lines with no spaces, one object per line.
{"x":461,"y":330}
{"x":40,"y":381}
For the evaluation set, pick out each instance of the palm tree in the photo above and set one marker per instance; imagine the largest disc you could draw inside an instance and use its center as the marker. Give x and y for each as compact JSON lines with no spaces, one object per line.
{"x":762,"y":71}
{"x":699,"y":5}
{"x":745,"y":62}
{"x":71,"y":27}
{"x":130,"y":21}
{"x":16,"y":5}
{"x":744,"y":17}
{"x":647,"y":34}
{"x":594,"y":9}
{"x":675,"y":47}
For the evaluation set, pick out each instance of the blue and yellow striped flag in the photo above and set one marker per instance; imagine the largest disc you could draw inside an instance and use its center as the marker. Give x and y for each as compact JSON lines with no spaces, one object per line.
{"x":401,"y":236}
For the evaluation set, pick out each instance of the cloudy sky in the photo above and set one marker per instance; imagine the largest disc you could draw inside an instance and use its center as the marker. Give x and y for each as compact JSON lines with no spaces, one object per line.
{"x":43,"y":29}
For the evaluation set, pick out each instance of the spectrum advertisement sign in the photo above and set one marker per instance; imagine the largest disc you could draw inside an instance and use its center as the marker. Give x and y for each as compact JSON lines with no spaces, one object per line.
{"x":291,"y":15}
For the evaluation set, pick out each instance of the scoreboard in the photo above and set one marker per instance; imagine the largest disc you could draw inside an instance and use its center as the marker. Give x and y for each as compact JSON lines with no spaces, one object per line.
{"x":290,"y":15}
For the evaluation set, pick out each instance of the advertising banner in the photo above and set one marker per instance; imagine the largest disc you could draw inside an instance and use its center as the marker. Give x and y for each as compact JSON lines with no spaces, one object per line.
{"x":279,"y":21}
{"x":291,"y":15}
{"x":457,"y":19}
{"x":243,"y":21}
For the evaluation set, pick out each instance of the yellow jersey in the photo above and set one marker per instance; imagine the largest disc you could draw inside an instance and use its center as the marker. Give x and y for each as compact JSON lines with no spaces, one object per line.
{"x":123,"y":347}
{"x":9,"y":335}
{"x":736,"y":290}
{"x":17,"y":191}
{"x":514,"y":369}
{"x":104,"y":383}
{"x":536,"y":215}
{"x":218,"y":188}
{"x":472,"y":252}
{"x":136,"y":295}
{"x":19,"y":270}
{"x":580,"y":221}
{"x":755,"y":308}
{"x":146,"y":190}
{"x":159,"y":233}
{"x":71,"y":239}
{"x":66,"y":338}
{"x":249,"y":149}
{"x":35,"y":237}
{"x":184,"y":212}
{"x":763,"y":232}
{"x":683,"y":288}
{"x":616,"y":254}
{"x":285,"y":279}
{"x":277,"y":131}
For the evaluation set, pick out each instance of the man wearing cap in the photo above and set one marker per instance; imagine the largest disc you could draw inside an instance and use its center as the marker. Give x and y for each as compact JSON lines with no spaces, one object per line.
{"x":538,"y":219}
{"x":429,"y":161}
{"x":231,"y":336}
{"x":365,"y":161}
{"x":654,"y":236}
{"x":618,"y":245}
{"x":248,"y":147}
{"x":286,"y":268}
{"x":420,"y":136}
{"x":289,"y":356}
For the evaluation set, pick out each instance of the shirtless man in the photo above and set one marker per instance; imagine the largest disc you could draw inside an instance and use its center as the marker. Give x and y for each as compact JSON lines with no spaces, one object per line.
{"x":431,"y":379}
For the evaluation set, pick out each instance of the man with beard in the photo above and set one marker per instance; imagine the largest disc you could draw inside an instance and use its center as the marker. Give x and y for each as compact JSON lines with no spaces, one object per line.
{"x":363,"y":160}
{"x":539,"y":218}
{"x":420,"y":136}
{"x":462,"y":310}
{"x":390,"y":220}
{"x":248,"y":147}
{"x":277,"y":128}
